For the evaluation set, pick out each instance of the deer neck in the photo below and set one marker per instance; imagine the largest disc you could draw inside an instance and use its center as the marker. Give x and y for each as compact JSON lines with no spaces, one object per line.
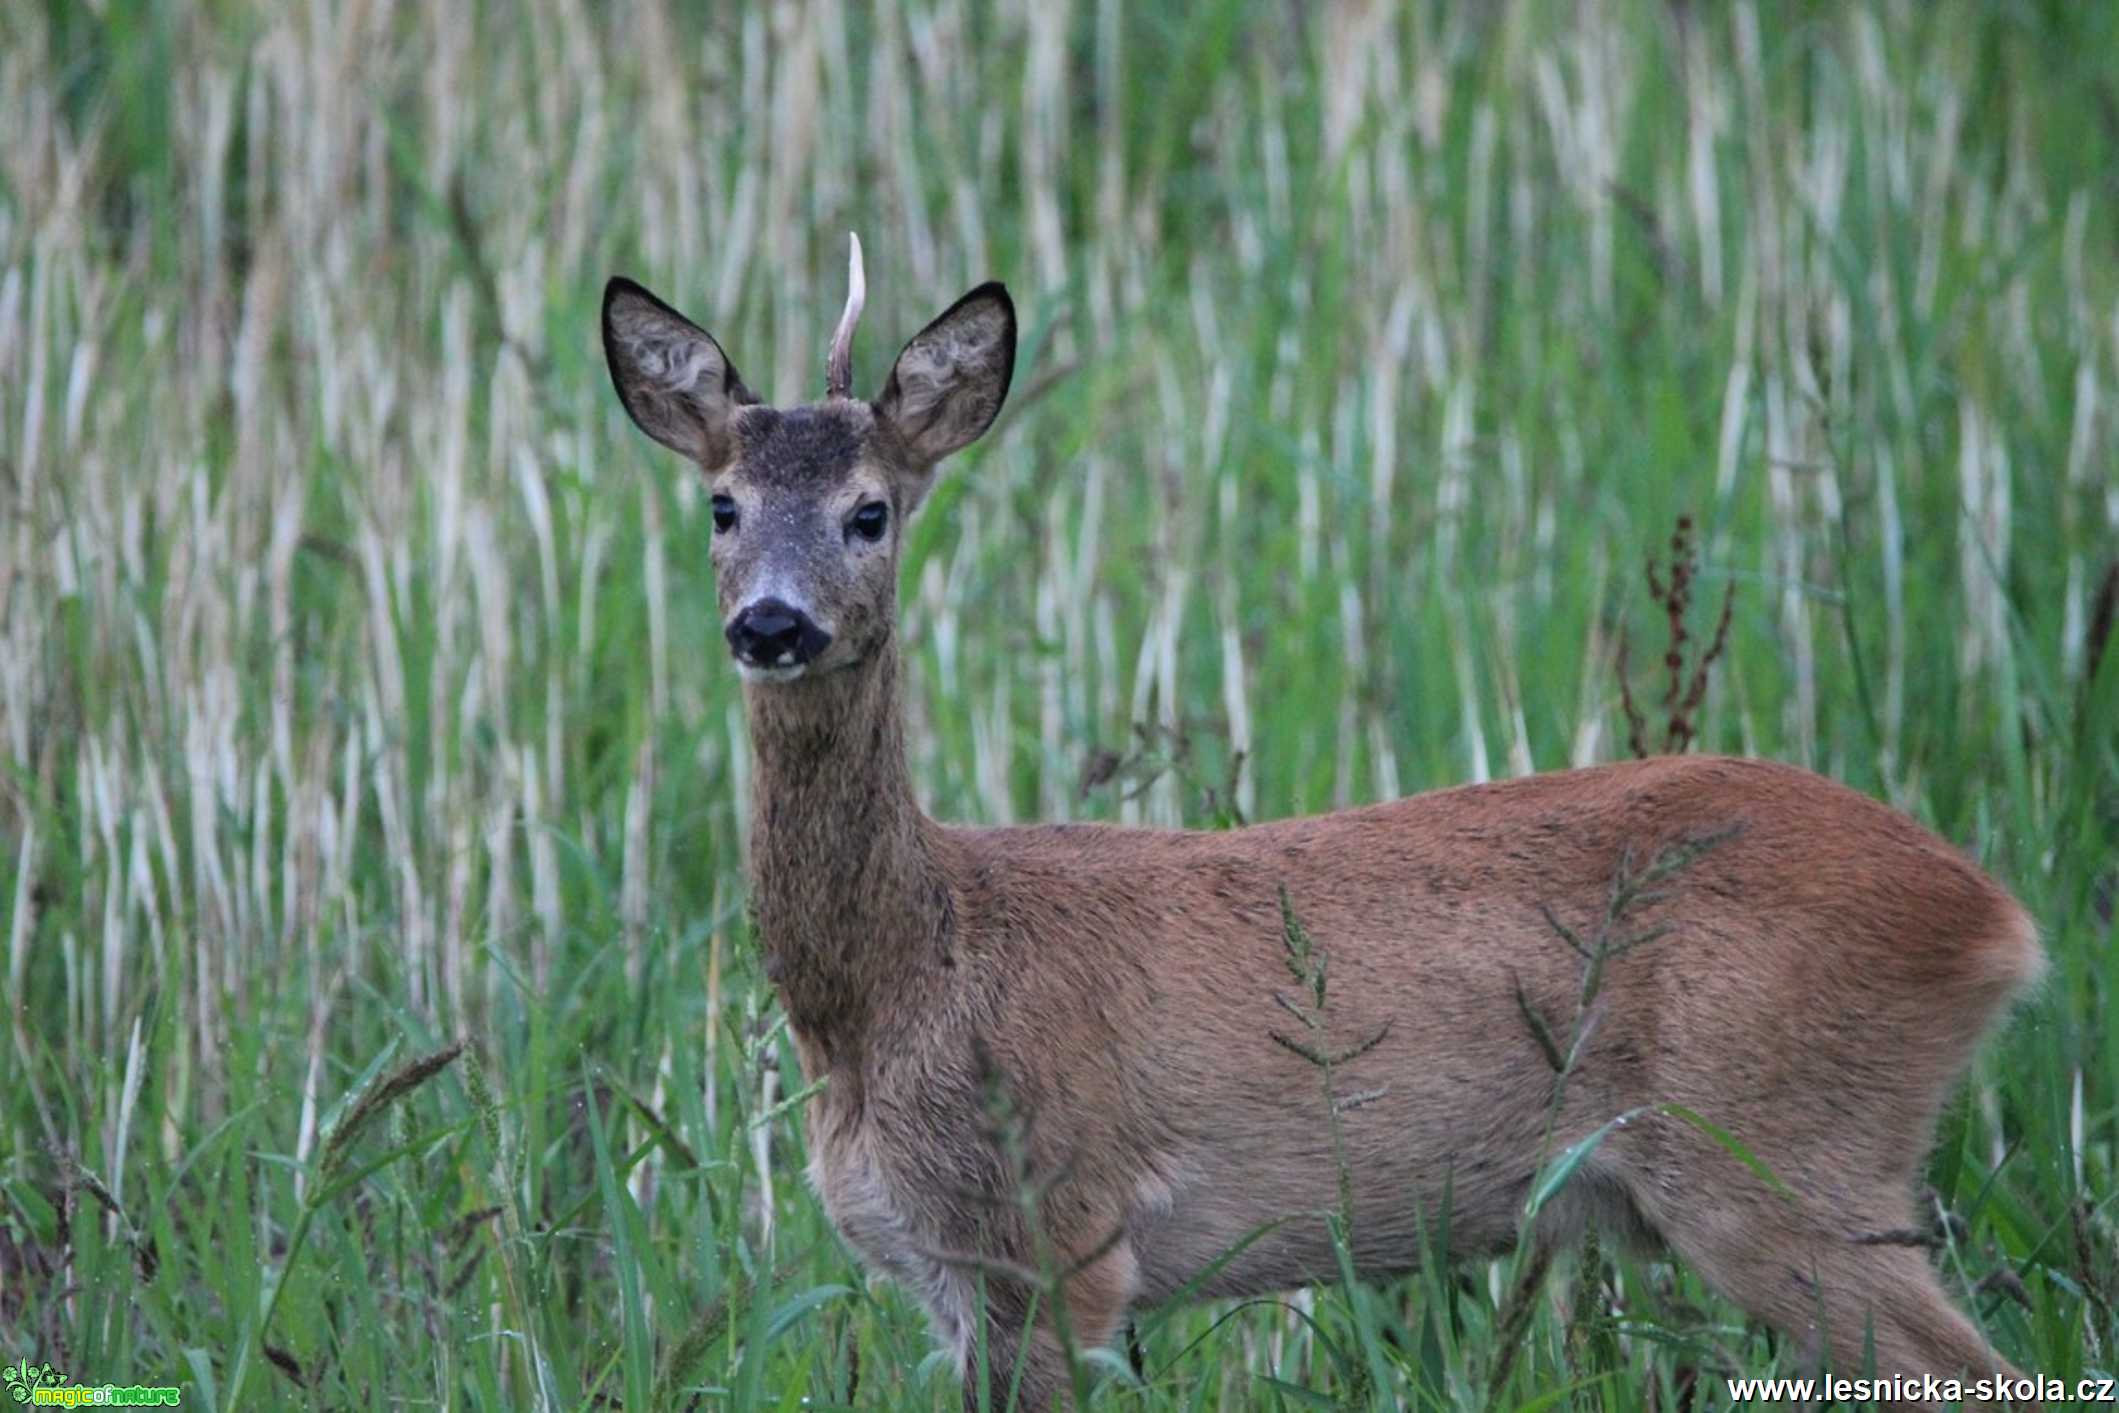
{"x":850,"y":903}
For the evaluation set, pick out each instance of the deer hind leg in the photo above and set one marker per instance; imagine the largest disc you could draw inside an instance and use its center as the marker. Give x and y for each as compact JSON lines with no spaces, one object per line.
{"x":1811,"y":1280}
{"x":1018,"y":1338}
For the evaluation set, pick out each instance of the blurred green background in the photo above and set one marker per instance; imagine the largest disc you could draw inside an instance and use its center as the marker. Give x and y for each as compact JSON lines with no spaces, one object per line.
{"x":361,"y":689}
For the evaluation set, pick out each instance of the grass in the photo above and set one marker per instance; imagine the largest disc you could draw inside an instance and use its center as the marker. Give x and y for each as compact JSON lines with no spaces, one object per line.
{"x":359,"y":681}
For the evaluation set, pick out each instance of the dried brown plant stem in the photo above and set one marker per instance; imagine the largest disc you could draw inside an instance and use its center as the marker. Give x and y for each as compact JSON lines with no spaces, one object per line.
{"x":1674,"y":589}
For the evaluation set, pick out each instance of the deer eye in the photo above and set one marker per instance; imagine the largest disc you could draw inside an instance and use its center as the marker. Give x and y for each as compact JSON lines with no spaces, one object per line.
{"x":724,"y":515}
{"x":869,"y":520}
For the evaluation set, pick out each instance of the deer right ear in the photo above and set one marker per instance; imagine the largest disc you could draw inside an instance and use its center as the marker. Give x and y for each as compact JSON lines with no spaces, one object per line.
{"x":674,"y":380}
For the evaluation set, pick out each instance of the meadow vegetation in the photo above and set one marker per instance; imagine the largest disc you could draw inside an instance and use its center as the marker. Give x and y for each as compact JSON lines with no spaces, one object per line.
{"x":362,"y":694}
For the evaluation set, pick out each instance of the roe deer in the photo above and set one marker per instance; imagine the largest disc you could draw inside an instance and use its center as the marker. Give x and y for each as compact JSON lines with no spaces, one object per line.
{"x":1823,"y":975}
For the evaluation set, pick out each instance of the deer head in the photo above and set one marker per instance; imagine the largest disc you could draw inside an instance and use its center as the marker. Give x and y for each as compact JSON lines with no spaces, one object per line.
{"x":808,"y":501}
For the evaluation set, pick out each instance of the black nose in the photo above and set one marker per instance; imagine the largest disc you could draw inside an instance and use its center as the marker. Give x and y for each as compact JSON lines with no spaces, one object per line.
{"x":770,"y":633}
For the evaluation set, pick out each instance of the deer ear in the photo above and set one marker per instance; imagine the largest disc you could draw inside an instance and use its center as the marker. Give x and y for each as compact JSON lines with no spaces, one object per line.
{"x":674,"y":380}
{"x":948,"y":384}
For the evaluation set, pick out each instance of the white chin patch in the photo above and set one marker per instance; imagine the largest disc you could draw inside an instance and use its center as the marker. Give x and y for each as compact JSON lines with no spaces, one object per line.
{"x":785,"y":673}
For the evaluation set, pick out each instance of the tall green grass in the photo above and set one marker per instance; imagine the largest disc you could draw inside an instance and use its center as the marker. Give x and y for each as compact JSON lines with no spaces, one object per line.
{"x":359,"y":677}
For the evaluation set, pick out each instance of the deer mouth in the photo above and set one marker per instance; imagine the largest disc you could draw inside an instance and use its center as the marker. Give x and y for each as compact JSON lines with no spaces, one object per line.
{"x":779,"y":672}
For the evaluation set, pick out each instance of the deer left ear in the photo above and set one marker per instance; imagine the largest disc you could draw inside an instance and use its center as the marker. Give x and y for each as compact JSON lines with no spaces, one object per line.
{"x":949,"y":382}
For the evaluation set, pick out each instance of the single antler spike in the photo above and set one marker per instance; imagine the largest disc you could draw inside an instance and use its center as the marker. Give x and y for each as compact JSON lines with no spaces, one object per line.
{"x":838,"y":364}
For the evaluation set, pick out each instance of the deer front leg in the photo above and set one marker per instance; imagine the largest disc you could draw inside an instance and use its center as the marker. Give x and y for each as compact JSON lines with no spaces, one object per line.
{"x":1027,"y":1352}
{"x":1024,"y":1369}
